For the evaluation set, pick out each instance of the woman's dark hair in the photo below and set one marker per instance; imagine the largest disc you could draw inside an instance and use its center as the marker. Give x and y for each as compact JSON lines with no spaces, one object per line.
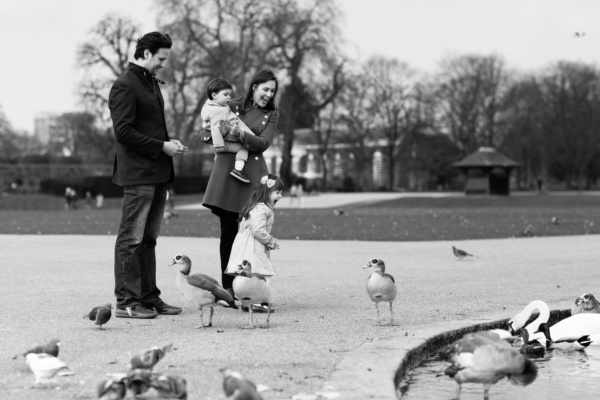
{"x":152,"y":41}
{"x":261,"y":193}
{"x":216,"y":85}
{"x":262,"y":76}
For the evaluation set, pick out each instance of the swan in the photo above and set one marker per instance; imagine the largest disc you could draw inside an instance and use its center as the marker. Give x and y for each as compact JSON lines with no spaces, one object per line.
{"x":564,"y":343}
{"x":573,"y":327}
{"x":518,"y":321}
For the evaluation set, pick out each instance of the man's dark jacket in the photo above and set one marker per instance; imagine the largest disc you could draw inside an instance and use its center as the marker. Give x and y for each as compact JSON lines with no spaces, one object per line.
{"x":137,"y":111}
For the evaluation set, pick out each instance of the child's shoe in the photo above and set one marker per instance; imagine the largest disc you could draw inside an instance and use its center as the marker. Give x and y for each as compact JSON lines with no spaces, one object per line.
{"x":239,"y":175}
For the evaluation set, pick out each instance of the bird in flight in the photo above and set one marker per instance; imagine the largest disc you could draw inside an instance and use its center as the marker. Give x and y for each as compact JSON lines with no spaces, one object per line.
{"x":579,"y":34}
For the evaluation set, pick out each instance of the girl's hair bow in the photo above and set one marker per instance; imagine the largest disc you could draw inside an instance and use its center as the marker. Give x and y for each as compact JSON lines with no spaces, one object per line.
{"x":266,"y":181}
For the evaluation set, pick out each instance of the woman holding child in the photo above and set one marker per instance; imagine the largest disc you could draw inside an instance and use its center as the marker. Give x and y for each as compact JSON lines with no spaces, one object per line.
{"x":225,"y":196}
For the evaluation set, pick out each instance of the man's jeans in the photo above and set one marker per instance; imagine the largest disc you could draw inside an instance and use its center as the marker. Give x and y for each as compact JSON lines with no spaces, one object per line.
{"x":135,"y":258}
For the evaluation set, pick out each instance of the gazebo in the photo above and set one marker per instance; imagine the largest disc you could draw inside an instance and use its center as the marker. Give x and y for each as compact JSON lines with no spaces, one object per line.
{"x":487,"y":172}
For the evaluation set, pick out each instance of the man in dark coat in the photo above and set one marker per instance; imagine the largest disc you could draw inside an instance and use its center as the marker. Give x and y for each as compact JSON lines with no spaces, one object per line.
{"x":144,"y":167}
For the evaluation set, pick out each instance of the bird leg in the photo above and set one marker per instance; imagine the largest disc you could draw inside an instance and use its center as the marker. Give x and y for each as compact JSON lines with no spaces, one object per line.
{"x":268,"y":316}
{"x":201,"y":326}
{"x":458,"y":392}
{"x":378,"y":319}
{"x":212,"y":311}
{"x":486,"y":391}
{"x":391,"y":314}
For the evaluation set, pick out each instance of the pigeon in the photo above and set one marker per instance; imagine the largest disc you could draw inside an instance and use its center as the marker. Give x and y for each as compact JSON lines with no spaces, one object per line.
{"x":460,"y":253}
{"x":49,"y":348}
{"x":113,"y":388}
{"x":138,"y":381}
{"x":555,"y":221}
{"x":381,"y":287}
{"x":100,"y":315}
{"x":169,"y":386}
{"x":482,"y":357}
{"x":586,"y":303}
{"x":200,"y":289}
{"x":148,"y":358}
{"x":251,"y":290}
{"x":236,"y":387}
{"x":45,"y":367}
{"x":338,"y":212}
{"x":529,"y":230}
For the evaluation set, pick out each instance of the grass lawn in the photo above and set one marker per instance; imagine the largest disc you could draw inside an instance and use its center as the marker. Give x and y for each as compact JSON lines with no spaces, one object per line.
{"x":408,"y":219}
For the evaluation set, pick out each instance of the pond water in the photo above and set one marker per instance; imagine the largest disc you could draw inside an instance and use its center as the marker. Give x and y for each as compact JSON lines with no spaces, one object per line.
{"x":561,"y":375}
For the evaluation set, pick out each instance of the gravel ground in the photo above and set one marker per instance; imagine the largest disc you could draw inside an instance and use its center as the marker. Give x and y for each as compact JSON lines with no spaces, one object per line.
{"x":324,"y":334}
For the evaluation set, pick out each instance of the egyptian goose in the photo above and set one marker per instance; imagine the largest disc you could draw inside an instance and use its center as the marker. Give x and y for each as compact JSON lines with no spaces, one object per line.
{"x":586,"y":303}
{"x":381,"y":287}
{"x":251,"y":290}
{"x":482,"y":357}
{"x":201,"y":290}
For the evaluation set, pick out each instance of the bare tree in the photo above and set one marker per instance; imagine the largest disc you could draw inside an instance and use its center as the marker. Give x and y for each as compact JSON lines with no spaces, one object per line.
{"x":358,"y":115}
{"x":103,"y":57}
{"x":572,"y":98}
{"x":298,"y":35}
{"x":471,"y":89}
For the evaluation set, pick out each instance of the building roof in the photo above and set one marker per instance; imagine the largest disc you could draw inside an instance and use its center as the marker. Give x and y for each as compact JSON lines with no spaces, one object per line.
{"x":486,"y":157}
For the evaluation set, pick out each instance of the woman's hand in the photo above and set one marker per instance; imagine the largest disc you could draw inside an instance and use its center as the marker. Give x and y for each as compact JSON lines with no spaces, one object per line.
{"x":223,"y":127}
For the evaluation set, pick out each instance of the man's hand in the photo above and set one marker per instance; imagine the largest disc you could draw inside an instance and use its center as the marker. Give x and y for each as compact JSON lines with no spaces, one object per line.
{"x":174,"y":148}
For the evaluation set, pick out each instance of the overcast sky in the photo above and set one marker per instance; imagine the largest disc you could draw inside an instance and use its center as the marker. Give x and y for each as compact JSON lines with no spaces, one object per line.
{"x":38,"y":39}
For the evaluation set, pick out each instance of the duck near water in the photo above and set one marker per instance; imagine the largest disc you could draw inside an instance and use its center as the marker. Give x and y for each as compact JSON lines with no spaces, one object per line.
{"x":564,"y":343}
{"x":202,"y":290}
{"x":482,"y":357}
{"x":572,"y":328}
{"x":381,"y":287}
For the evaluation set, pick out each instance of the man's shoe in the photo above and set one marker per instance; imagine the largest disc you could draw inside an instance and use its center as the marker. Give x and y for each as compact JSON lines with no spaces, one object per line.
{"x":239,"y":175}
{"x":135,"y":311}
{"x":164,"y":309}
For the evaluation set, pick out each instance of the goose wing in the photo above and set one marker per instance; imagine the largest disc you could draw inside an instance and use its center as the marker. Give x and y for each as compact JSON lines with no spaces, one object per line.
{"x":209,"y":284}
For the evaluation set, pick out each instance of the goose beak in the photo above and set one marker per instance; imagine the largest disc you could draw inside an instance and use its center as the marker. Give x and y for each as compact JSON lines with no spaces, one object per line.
{"x":172,"y":263}
{"x":369,"y":265}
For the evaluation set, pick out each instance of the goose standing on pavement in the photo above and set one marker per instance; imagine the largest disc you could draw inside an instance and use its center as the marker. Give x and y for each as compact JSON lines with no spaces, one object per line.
{"x":586,"y":303}
{"x":381,"y":287}
{"x":200,"y":289}
{"x":518,"y":321}
{"x":251,"y":290}
{"x":482,"y":357}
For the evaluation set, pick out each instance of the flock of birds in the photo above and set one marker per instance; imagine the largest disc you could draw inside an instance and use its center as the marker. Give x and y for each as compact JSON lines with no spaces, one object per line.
{"x":486,"y":357}
{"x":481,"y":357}
{"x":140,"y":380}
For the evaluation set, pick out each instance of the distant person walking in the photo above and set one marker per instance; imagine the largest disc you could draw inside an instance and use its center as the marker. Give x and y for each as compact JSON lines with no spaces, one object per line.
{"x":143,"y":167}
{"x":224,"y":196}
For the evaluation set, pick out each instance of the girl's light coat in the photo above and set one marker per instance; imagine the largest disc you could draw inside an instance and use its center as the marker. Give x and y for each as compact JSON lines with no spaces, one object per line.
{"x":253,"y":241}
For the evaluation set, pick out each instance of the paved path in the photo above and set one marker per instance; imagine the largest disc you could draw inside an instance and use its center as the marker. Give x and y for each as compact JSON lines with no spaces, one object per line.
{"x":324,"y":337}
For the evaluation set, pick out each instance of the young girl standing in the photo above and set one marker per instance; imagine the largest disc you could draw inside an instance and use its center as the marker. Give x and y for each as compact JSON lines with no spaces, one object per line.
{"x":253,"y":241}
